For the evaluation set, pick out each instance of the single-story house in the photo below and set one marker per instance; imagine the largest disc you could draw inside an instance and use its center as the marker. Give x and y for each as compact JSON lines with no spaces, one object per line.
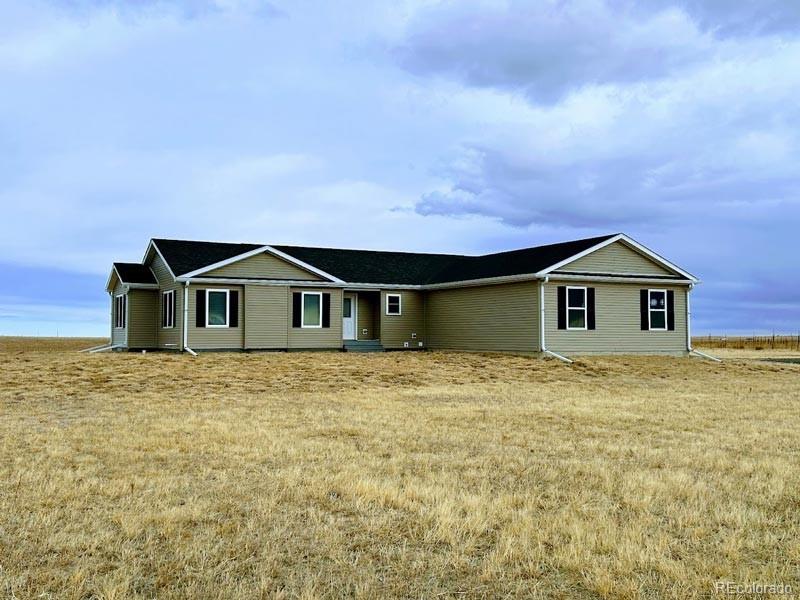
{"x":606,"y":294}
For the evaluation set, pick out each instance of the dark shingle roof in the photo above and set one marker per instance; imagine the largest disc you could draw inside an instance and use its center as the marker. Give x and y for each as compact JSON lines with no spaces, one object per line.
{"x":134,"y":273}
{"x":185,"y":256}
{"x":371,"y":266}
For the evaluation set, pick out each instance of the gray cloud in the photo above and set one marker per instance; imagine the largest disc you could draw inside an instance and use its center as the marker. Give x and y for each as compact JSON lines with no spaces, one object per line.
{"x":547,"y":49}
{"x":726,"y":18}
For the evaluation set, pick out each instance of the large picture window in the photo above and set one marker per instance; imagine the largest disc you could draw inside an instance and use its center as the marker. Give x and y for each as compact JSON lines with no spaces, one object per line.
{"x":576,"y":308}
{"x":394,"y":304}
{"x":217,"y":308}
{"x":168,"y":309}
{"x":120,"y":310}
{"x":312,"y":309}
{"x":657,"y":309}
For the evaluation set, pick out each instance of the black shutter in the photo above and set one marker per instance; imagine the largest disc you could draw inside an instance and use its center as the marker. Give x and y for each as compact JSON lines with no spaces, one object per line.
{"x":643,"y":310}
{"x":326,"y":310}
{"x":590,"y":308}
{"x":164,"y":309}
{"x":200,"y":308}
{"x":125,"y":310}
{"x":670,"y":310}
{"x":233,"y":307}
{"x":296,"y":300}
{"x":562,"y":307}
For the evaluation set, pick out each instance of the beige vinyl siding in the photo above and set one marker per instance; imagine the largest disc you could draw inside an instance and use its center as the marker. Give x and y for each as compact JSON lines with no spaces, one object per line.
{"x":368,"y":316}
{"x":266,"y":317}
{"x":616,"y":258}
{"x":265,"y":266}
{"x":168,"y":338}
{"x":617,"y":316}
{"x":396,"y":329}
{"x":215,"y":338}
{"x":493,"y":317}
{"x":119,"y":336}
{"x":142,"y":318}
{"x":316,"y":338}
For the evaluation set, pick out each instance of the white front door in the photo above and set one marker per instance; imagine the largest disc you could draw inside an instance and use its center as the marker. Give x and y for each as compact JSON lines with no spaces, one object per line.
{"x":349,"y":317}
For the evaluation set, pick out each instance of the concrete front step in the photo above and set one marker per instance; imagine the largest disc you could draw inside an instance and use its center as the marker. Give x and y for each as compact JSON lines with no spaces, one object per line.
{"x":363,"y":346}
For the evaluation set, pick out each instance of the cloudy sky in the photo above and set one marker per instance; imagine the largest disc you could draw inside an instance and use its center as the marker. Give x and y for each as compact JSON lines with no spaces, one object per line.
{"x":409,"y":125}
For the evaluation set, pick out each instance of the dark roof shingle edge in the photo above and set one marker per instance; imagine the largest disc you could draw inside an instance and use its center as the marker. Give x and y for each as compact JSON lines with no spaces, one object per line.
{"x":134,"y":273}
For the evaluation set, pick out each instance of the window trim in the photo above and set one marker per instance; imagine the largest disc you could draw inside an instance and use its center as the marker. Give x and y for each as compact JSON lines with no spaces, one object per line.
{"x":650,"y":311}
{"x":170,"y":321}
{"x":227,"y":292}
{"x":584,"y":308}
{"x":120,"y":316}
{"x":303,"y":310}
{"x":399,"y":305}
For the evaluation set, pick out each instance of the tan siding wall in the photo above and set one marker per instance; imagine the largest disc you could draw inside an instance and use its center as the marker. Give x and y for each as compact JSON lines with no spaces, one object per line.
{"x":497,"y":317}
{"x":215,"y":338}
{"x":118,"y":336}
{"x":168,"y":338}
{"x":368,"y":316}
{"x":618,"y":323}
{"x":615,"y":258}
{"x":396,"y":329}
{"x":142,"y":314}
{"x":266,"y":316}
{"x":317,"y":338}
{"x":264,"y":265}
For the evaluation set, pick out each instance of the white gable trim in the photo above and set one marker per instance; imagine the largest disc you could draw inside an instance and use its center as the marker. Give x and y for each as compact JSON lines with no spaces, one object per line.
{"x":153,"y":245}
{"x":257,"y":251}
{"x":621,"y":237}
{"x":111,"y":275}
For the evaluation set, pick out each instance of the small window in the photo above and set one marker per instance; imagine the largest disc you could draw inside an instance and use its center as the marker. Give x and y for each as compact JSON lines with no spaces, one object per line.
{"x":168,"y":309}
{"x":576,"y":308}
{"x":312,"y":309}
{"x":393,"y":304}
{"x":657,"y":309}
{"x":347,"y":308}
{"x":217,"y":308}
{"x":120,"y":310}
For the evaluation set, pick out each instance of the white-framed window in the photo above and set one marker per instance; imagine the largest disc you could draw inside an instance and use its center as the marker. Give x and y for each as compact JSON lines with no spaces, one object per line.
{"x":311,"y":310}
{"x":657,"y":310}
{"x":120,"y":310}
{"x":168,"y":309}
{"x":394,"y":304}
{"x":576,"y":308}
{"x":218,"y":308}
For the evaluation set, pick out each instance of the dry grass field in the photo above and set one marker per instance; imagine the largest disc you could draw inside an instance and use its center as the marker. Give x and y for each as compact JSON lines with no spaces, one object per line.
{"x":415,"y":475}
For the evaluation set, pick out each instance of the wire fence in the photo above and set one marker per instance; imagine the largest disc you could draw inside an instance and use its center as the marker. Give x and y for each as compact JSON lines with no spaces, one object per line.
{"x":753,"y":342}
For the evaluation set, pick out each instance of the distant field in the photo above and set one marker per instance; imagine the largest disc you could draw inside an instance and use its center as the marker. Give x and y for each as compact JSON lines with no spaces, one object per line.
{"x":754,"y":342}
{"x":393,"y":475}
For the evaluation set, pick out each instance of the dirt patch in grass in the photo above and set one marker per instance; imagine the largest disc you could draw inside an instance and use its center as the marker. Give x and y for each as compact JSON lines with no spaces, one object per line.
{"x":393,"y":475}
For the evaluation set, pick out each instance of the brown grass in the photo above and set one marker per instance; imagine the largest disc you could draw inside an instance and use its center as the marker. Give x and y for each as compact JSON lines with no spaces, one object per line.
{"x":393,"y":475}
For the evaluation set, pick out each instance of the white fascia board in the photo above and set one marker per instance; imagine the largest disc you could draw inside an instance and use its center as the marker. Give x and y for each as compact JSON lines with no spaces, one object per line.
{"x":111,"y":275}
{"x":293,"y":283}
{"x":621,"y":237}
{"x":255,"y":252}
{"x":142,"y":286}
{"x":627,"y":279}
{"x":153,"y":245}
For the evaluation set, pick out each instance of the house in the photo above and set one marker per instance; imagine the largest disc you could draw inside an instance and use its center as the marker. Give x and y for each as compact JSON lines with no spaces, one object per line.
{"x":606,"y":294}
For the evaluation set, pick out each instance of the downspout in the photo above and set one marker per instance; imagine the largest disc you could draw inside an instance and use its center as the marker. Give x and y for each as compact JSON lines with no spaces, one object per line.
{"x":542,"y":343}
{"x":185,"y":347}
{"x":689,"y":329}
